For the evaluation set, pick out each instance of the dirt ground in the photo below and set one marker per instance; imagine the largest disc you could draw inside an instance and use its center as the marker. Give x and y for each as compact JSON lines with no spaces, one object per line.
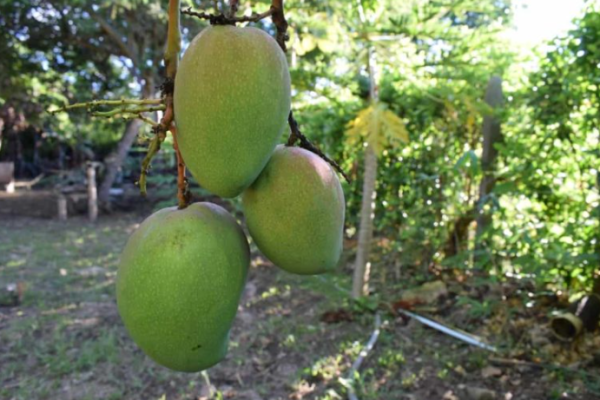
{"x":294,"y":337}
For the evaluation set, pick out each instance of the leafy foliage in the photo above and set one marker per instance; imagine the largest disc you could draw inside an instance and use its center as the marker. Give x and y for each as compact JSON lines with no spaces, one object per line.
{"x":379,"y":126}
{"x":433,"y":61}
{"x":550,"y":199}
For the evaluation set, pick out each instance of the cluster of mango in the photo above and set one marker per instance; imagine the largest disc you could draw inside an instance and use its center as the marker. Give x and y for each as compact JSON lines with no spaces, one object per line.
{"x":182,"y":272}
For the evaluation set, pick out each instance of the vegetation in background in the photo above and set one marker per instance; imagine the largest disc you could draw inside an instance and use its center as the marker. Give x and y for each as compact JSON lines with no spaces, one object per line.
{"x":433,"y":61}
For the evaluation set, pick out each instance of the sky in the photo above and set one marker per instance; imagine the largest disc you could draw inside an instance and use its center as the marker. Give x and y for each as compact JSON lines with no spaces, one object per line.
{"x":537,"y":21}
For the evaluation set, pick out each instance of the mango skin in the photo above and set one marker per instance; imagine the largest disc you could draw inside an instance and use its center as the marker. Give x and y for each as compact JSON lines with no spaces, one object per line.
{"x":232,"y":100}
{"x":295,"y":212}
{"x":179,"y":283}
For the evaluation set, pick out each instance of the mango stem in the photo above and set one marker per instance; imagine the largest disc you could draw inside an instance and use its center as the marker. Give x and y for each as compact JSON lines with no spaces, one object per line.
{"x":297,"y":136}
{"x":167,"y":122}
{"x":183,"y":192}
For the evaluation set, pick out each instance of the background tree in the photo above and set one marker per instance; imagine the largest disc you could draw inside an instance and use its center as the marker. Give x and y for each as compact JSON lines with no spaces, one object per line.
{"x":98,"y":46}
{"x":550,"y":217}
{"x":434,"y":60}
{"x":492,"y":136}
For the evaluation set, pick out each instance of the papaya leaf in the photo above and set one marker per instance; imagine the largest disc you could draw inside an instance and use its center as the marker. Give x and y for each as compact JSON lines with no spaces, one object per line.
{"x":378,"y":126}
{"x":394,"y":126}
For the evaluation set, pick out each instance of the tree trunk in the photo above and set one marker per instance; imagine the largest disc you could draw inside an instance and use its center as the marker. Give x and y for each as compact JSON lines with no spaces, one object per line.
{"x":492,"y":135}
{"x":458,"y":234}
{"x":597,"y":274}
{"x":362,"y":269}
{"x":115,"y":160}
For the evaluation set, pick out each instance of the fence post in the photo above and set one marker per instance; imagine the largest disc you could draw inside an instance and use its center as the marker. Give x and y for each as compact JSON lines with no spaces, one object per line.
{"x":62,"y":207}
{"x":92,"y":192}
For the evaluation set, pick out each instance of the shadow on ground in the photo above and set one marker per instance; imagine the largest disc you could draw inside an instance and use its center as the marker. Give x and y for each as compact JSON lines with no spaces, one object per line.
{"x":66,"y":341}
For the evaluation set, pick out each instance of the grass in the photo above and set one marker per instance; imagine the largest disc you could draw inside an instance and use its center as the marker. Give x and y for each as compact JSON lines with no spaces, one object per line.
{"x":66,"y":339}
{"x":60,"y":333}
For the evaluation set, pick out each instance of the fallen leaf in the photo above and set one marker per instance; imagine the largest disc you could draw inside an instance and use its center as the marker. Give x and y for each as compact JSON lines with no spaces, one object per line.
{"x":474,"y":393}
{"x":427,"y":293}
{"x":460,"y":370}
{"x":336,"y":316}
{"x":490,"y":371}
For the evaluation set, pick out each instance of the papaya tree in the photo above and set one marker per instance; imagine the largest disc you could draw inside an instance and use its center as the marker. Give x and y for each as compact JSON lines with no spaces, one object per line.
{"x":375,"y":127}
{"x":421,"y":50}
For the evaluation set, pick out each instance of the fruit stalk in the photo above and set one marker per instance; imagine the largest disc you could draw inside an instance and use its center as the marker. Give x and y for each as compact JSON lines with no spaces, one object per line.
{"x":142,"y":118}
{"x":173,"y":40}
{"x":280,"y":23}
{"x":167,"y":122}
{"x":297,"y":135}
{"x":275,"y":12}
{"x":230,"y":19}
{"x":153,"y":148}
{"x":183,"y":192}
{"x":278,"y":18}
{"x":134,"y":108}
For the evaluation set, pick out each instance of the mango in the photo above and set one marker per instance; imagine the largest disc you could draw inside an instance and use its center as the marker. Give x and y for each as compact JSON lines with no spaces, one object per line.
{"x":295,"y":212}
{"x":179,"y":282}
{"x":231,"y":100}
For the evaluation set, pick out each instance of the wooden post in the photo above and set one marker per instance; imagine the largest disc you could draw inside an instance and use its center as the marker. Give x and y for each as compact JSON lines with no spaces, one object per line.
{"x":7,"y":172}
{"x":10,"y":187}
{"x":62,"y":207}
{"x":92,"y":192}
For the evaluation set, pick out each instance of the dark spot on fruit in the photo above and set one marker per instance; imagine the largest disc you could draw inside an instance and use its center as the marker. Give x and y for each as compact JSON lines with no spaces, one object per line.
{"x":196,"y":347}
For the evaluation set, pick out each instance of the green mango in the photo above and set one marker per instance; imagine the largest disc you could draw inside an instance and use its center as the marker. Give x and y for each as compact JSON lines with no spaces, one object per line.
{"x":232,"y":100}
{"x":179,"y":283}
{"x":295,"y":212}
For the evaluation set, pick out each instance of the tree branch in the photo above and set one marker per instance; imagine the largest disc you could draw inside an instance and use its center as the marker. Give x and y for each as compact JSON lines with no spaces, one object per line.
{"x":96,"y":103}
{"x":167,"y":121}
{"x":183,"y":191}
{"x":124,"y":111}
{"x":280,"y":23}
{"x":222,"y":19}
{"x":115,"y":36}
{"x":173,"y":40}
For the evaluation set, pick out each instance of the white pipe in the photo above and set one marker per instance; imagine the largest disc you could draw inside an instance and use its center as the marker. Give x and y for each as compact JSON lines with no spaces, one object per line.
{"x":458,"y":335}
